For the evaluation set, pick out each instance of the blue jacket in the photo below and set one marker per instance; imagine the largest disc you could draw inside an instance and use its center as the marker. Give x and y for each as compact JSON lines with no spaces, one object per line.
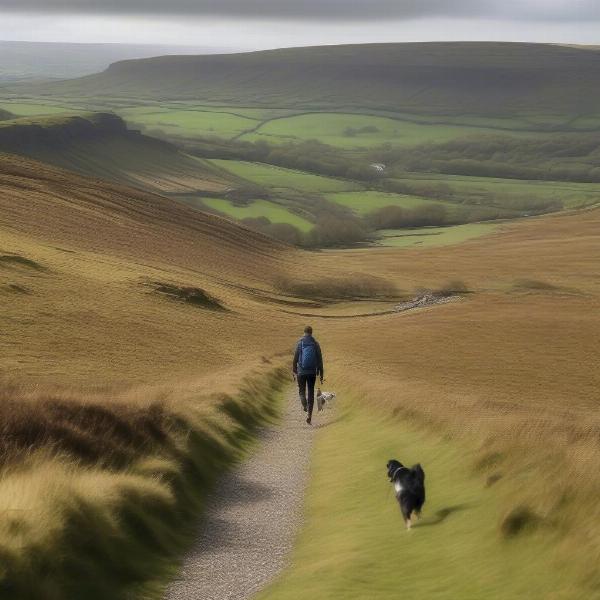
{"x":296,"y":367}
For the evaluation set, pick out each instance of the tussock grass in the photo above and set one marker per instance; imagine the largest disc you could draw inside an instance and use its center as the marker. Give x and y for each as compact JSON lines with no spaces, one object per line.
{"x":94,"y":431}
{"x":96,"y":500}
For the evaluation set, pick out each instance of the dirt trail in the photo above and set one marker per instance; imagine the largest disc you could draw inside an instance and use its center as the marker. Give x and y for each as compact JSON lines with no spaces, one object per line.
{"x":252,"y":517}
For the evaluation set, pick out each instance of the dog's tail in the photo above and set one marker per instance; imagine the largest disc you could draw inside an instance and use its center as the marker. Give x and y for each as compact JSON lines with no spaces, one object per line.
{"x":418,"y":473}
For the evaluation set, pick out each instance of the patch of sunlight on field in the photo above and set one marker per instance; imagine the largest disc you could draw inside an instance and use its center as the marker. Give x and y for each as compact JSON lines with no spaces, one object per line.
{"x":271,"y":176}
{"x":258,"y":208}
{"x":28,"y":110}
{"x":353,"y":544}
{"x":427,"y":237}
{"x":352,"y":130}
{"x":368,"y":201}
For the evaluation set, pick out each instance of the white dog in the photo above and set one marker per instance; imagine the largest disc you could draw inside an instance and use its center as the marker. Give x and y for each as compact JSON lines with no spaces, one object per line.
{"x":324,"y":398}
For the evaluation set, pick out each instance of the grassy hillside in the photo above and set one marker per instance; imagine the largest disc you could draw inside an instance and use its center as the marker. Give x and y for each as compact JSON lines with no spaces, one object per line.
{"x":447,"y":78}
{"x":138,"y":305}
{"x":495,"y":395}
{"x":99,"y":144}
{"x":123,"y":306}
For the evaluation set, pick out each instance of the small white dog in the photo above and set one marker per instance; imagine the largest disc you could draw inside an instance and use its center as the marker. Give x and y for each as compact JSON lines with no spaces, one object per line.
{"x":324,"y":398}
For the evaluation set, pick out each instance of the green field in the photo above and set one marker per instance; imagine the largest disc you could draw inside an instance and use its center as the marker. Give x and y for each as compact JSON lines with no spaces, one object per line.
{"x":355,"y":131}
{"x":25,"y":109}
{"x":344,"y":130}
{"x":427,"y":237}
{"x":258,"y":208}
{"x":258,"y":114}
{"x":353,"y":544}
{"x":278,"y":177}
{"x":368,"y":201}
{"x":189,"y":123}
{"x":571,"y":194}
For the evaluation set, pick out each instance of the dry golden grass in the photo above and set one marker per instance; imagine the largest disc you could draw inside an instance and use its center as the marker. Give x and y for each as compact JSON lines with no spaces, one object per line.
{"x":93,"y":316}
{"x":98,"y":492}
{"x":511,"y":369}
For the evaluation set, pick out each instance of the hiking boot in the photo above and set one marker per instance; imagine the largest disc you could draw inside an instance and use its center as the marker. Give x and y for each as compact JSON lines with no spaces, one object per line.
{"x":308,"y":420}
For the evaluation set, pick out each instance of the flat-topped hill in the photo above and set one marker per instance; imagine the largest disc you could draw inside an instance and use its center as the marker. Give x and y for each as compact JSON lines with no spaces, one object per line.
{"x":446,"y":78}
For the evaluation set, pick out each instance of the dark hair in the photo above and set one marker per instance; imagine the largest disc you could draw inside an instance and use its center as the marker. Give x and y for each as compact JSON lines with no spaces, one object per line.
{"x":308,"y":330}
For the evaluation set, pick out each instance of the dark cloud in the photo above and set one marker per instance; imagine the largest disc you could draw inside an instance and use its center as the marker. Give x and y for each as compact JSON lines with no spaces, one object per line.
{"x":321,"y":10}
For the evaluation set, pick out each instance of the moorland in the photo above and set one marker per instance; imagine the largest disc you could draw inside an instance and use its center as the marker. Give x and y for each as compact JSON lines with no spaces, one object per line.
{"x":131,"y":301}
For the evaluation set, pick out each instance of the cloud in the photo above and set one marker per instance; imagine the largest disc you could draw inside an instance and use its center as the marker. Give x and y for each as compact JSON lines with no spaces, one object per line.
{"x":321,"y":10}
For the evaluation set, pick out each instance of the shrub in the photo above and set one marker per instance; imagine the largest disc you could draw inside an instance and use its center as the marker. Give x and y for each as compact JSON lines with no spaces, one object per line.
{"x":395,"y":217}
{"x":518,"y":520}
{"x":336,"y":231}
{"x":452,"y":288}
{"x":354,"y":286}
{"x":283,"y":232}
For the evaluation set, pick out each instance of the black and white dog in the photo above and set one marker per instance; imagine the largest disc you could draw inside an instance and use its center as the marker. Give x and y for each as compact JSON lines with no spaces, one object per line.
{"x":409,"y":485}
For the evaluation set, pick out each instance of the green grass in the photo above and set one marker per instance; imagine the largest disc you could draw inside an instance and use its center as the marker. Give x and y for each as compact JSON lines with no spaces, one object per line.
{"x":428,"y":237}
{"x":256,"y":114}
{"x":190,"y":123}
{"x":278,"y":177}
{"x":22,"y":109}
{"x":353,"y":544}
{"x":335,"y":129}
{"x":259,"y":208}
{"x":368,"y":201}
{"x":571,"y":194}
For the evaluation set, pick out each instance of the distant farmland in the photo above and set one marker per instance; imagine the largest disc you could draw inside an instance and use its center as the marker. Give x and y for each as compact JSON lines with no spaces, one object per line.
{"x":469,"y":132}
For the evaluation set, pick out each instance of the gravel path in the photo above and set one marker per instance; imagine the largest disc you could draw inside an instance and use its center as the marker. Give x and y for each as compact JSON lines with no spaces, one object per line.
{"x":252,"y":517}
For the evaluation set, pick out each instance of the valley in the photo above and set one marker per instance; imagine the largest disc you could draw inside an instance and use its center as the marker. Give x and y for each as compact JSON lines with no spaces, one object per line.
{"x":436,"y":166}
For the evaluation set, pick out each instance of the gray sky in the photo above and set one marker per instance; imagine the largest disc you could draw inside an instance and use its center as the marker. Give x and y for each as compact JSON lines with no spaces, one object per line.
{"x":246,"y":24}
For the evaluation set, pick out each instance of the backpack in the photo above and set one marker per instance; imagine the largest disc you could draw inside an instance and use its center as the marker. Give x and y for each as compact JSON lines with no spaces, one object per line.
{"x":308,"y":356}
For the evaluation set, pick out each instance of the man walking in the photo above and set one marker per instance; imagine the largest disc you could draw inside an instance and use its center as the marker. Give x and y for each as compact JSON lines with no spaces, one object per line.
{"x":307,"y":366}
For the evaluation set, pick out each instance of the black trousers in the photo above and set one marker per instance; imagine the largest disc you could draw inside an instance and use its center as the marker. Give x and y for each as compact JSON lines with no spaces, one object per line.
{"x":306,"y":387}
